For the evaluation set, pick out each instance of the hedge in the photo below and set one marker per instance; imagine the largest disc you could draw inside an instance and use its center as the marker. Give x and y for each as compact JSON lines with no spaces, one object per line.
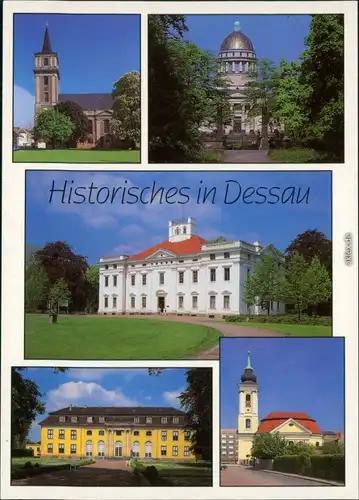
{"x":22,"y":452}
{"x":32,"y":469}
{"x":331,"y":467}
{"x":289,"y":319}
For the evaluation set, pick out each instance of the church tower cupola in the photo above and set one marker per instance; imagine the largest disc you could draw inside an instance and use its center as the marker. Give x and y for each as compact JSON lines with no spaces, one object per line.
{"x":248,"y":374}
{"x":180,"y":230}
{"x":47,"y":75}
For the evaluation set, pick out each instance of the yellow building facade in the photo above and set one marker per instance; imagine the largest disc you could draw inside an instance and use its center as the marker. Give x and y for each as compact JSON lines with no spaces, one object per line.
{"x":113,"y":432}
{"x":35,"y":447}
{"x":295,"y":427}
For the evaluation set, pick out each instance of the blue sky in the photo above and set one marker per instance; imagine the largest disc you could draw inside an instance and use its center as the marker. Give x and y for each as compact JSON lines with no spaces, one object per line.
{"x":99,"y":230}
{"x":303,"y":375}
{"x":94,"y":51}
{"x":105,"y":387}
{"x":273,"y":37}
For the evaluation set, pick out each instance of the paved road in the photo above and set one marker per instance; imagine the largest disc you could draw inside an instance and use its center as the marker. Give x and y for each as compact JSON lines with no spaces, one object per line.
{"x":246,"y":156}
{"x":243,"y":476}
{"x":101,"y":473}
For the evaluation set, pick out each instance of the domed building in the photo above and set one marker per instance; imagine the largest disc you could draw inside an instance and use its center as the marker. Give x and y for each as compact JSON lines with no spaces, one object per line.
{"x":237,"y":58}
{"x":295,"y":427}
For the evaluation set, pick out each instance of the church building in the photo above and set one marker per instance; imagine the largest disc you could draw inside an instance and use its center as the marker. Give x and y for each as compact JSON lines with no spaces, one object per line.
{"x":295,"y":427}
{"x":97,"y":107}
{"x":183,"y":275}
{"x":237,"y":58}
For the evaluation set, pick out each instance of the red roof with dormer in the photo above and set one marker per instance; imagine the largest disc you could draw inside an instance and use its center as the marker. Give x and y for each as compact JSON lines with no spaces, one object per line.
{"x":275,"y":419}
{"x":189,"y":246}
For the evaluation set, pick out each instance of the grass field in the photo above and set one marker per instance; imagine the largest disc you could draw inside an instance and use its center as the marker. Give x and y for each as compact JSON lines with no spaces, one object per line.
{"x":19,"y":462}
{"x":76,"y":156}
{"x":81,"y":337}
{"x":294,"y":155}
{"x":294,"y":330}
{"x":184,"y":474}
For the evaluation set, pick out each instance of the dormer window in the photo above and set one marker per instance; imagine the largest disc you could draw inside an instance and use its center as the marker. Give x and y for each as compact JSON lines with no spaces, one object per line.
{"x":136,"y":420}
{"x":74,"y":419}
{"x":62,"y":419}
{"x":101,"y":420}
{"x":175,"y":420}
{"x":163,"y":420}
{"x":89,"y":420}
{"x":148,"y":420}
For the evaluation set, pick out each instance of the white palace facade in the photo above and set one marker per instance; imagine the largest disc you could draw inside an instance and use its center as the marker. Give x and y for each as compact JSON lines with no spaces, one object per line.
{"x":183,"y":275}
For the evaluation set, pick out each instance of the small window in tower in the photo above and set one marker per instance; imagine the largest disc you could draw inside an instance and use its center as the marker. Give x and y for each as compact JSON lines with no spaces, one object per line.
{"x":248,"y":423}
{"x":46,"y":80}
{"x":46,"y":61}
{"x":248,"y":400}
{"x":184,"y":230}
{"x":46,"y":96}
{"x":177,"y":231}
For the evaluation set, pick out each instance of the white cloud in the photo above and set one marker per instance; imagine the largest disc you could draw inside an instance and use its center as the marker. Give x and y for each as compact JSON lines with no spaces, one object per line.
{"x":92,"y":374}
{"x":171,"y":397}
{"x":86,"y":393}
{"x":24,"y":106}
{"x":148,"y":398}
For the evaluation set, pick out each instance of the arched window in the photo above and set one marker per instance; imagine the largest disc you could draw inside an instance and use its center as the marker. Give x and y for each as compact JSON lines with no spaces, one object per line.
{"x":184,"y":230}
{"x":101,"y":449}
{"x":248,"y":400}
{"x":177,"y":231}
{"x":248,"y":423}
{"x":136,"y":449}
{"x":148,"y":449}
{"x":89,"y":448}
{"x":118,"y":449}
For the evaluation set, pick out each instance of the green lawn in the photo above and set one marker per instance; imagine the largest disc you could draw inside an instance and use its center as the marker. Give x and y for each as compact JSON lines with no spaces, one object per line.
{"x":184,"y":474}
{"x":77,"y":156}
{"x":294,"y":155}
{"x":293,"y":330}
{"x":81,"y":337}
{"x":19,"y":462}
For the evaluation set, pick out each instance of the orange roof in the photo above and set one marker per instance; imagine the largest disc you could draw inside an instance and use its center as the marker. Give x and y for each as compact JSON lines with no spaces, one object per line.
{"x":189,"y":246}
{"x":275,"y":419}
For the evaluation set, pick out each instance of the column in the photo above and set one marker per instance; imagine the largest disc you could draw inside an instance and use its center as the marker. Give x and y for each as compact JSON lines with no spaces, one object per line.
{"x":233,"y":66}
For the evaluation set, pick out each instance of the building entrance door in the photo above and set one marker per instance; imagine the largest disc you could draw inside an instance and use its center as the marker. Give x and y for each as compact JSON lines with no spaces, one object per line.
{"x":161,"y":304}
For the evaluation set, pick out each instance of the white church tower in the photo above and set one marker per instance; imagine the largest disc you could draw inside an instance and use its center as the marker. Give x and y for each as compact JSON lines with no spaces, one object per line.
{"x":181,"y":230}
{"x":248,"y":411}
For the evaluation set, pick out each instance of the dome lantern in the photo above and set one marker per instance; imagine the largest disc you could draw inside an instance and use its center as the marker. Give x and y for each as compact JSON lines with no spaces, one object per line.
{"x":248,"y":374}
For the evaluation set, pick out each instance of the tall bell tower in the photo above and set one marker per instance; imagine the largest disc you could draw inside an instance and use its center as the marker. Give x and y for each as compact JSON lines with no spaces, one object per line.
{"x":47,"y":76}
{"x":248,"y":411}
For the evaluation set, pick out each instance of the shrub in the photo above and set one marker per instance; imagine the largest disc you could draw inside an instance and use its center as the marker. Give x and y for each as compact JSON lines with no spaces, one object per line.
{"x":328,"y":467}
{"x":22,"y":452}
{"x":294,"y":464}
{"x":151,"y":473}
{"x":331,"y":467}
{"x":27,"y":465}
{"x":289,"y":319}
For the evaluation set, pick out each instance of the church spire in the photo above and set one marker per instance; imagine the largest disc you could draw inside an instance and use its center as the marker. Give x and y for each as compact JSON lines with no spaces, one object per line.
{"x":46,"y":46}
{"x":248,"y":374}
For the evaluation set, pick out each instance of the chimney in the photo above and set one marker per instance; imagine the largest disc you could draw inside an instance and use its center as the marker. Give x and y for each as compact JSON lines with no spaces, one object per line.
{"x":70,"y":407}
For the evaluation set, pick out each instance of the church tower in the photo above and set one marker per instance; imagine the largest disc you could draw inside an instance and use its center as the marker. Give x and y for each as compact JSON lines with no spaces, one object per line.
{"x":47,"y":76}
{"x":248,"y":411}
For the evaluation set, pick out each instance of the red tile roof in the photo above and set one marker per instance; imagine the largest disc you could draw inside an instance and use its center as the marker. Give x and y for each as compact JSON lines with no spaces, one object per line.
{"x":275,"y":419}
{"x":189,"y":246}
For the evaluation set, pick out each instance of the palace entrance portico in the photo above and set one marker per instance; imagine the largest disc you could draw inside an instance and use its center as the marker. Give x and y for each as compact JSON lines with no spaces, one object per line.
{"x":161,"y":300}
{"x":118,"y":442}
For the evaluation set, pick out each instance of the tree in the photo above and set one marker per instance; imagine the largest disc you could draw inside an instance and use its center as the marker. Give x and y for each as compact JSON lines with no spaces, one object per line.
{"x":289,"y":92}
{"x":264,"y":285}
{"x":312,"y":243}
{"x":53,"y":127}
{"x":59,"y":261}
{"x":186,"y":92}
{"x":334,"y":447}
{"x":259,"y":95}
{"x":82,"y":124}
{"x":196,"y":401}
{"x":323,"y":77}
{"x":92,"y":279}
{"x":25,"y":405}
{"x":36,"y":287}
{"x":305,"y":283}
{"x":126,"y":120}
{"x":59,"y":292}
{"x":268,"y":445}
